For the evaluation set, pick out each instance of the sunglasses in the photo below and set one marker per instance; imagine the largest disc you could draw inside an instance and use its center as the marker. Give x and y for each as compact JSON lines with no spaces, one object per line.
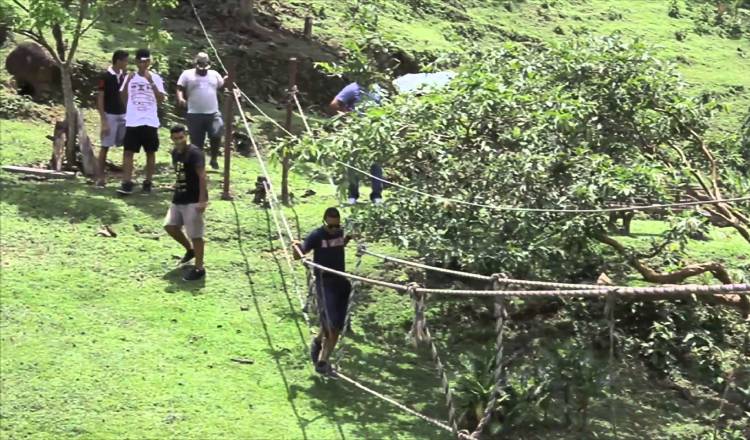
{"x":331,"y":226}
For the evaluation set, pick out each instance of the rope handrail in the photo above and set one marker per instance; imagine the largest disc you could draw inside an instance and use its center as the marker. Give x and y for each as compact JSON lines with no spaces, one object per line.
{"x":475,"y":276}
{"x":399,"y":287}
{"x":686,"y":289}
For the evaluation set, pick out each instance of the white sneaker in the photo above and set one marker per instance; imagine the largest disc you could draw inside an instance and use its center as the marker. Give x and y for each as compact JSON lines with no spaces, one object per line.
{"x":352,"y":201}
{"x":377,"y":201}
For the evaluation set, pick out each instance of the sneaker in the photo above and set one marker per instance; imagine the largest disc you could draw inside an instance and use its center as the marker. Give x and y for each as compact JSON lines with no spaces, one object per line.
{"x":194,"y":275}
{"x":352,"y":201}
{"x":315,"y":347}
{"x":377,"y":201}
{"x":214,"y":164}
{"x":147,"y":185}
{"x":189,"y":255}
{"x":325,"y":369}
{"x":126,"y":188}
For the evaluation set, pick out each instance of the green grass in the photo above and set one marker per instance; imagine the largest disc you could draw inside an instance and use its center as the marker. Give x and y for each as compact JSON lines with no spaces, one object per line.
{"x":101,"y":338}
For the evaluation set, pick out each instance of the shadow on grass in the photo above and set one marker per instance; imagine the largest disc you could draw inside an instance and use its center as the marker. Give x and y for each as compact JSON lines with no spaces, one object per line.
{"x":177,"y":284}
{"x":276,"y":354}
{"x":66,"y":200}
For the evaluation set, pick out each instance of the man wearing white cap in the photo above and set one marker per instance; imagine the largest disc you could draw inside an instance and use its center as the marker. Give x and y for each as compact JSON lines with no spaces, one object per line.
{"x":198,"y":90}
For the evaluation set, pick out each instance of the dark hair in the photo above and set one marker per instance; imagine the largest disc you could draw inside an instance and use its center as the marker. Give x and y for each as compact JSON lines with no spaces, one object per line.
{"x":119,"y":55}
{"x":331,"y":212}
{"x":177,"y":129}
{"x":142,"y":53}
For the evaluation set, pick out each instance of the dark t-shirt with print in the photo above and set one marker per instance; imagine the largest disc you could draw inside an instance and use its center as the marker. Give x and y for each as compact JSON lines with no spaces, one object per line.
{"x":328,"y":249}
{"x":186,"y":165}
{"x":110,"y":84}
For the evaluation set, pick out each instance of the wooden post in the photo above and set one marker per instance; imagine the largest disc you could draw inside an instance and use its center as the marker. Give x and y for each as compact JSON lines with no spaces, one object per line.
{"x":308,"y":27}
{"x":285,"y":164}
{"x":228,"y":130}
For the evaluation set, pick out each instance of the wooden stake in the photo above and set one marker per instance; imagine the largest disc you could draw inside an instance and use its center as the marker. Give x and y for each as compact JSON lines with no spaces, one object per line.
{"x":229,"y":130}
{"x":308,"y":27}
{"x":285,"y":162}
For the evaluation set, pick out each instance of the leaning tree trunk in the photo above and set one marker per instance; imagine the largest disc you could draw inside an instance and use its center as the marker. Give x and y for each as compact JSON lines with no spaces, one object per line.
{"x":71,"y":113}
{"x":76,"y":128}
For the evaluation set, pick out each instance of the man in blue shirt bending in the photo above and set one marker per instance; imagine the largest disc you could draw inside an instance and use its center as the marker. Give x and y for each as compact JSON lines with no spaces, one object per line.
{"x":345,"y":102}
{"x":327,"y":244}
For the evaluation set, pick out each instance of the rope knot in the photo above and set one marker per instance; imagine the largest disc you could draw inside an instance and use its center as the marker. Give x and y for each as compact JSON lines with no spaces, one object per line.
{"x":417,"y":333}
{"x":361,"y":249}
{"x":466,"y":435}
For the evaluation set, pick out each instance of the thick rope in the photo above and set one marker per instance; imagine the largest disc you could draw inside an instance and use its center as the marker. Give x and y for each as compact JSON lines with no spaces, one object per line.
{"x":398,"y":405}
{"x":500,"y":316}
{"x":687,"y":290}
{"x":421,"y":333}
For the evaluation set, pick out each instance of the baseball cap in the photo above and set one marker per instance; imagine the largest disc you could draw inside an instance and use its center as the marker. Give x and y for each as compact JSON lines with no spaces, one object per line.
{"x":202,"y":59}
{"x":143,"y":54}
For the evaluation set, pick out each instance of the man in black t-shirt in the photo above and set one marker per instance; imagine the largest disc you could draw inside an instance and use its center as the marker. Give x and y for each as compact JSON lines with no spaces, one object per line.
{"x":327,"y":244}
{"x":189,"y":201}
{"x":111,"y":110}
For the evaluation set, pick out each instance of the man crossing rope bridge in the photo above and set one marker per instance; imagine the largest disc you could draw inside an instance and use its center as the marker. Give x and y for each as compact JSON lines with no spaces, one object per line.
{"x":327,"y":244}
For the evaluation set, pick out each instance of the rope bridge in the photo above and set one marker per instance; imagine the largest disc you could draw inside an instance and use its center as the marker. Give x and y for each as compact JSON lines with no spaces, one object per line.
{"x":498,"y":284}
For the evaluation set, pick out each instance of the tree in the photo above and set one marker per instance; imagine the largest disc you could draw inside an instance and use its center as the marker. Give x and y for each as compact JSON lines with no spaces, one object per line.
{"x":67,"y":21}
{"x":247,"y":12}
{"x":582,"y":125}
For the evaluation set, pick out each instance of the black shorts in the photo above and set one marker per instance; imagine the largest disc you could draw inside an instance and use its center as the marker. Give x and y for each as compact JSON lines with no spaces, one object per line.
{"x":141,"y":136}
{"x":333,"y":300}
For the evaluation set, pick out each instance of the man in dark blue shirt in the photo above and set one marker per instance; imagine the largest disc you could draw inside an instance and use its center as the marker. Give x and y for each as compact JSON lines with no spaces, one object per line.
{"x":327,"y":244}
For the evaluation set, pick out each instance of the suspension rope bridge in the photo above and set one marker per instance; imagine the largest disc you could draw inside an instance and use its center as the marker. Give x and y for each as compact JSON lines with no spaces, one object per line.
{"x":497,"y":283}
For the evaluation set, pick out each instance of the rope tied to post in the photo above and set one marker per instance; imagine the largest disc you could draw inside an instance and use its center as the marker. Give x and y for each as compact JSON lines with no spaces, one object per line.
{"x":500,"y":317}
{"x":417,"y":333}
{"x":609,"y":312}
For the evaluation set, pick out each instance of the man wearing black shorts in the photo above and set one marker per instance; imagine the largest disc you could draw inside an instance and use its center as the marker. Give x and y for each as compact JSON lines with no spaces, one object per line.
{"x":327,"y":243}
{"x":142,"y":92}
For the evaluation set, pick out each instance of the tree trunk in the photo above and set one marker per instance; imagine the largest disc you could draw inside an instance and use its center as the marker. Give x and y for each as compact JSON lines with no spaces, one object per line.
{"x":741,"y":302}
{"x":247,"y":12}
{"x":71,"y":113}
{"x":88,"y":160}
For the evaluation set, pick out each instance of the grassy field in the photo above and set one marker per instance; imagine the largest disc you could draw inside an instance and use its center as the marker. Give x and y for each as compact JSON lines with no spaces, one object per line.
{"x":102,"y":339}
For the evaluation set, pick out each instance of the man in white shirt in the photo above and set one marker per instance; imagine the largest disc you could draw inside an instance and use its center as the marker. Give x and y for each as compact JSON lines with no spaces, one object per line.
{"x":142,"y":92}
{"x":197,"y":90}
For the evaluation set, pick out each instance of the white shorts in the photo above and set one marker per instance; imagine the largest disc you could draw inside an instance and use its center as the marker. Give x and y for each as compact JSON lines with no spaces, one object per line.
{"x":116,"y":134}
{"x":187,"y":216}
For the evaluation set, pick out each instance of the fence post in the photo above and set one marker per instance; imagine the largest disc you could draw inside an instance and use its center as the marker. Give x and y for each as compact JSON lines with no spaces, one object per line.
{"x":308,"y":27}
{"x":285,"y":161}
{"x":228,"y":130}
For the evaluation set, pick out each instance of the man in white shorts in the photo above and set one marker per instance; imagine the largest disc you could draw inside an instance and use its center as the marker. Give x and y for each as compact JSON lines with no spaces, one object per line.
{"x":189,"y":201}
{"x":197,"y":90}
{"x":111,"y":110}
